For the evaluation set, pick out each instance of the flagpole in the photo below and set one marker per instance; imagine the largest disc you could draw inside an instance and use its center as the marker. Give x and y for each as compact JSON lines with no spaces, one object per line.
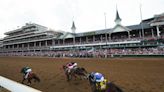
{"x":105,"y":28}
{"x":141,"y":22}
{"x":105,"y":19}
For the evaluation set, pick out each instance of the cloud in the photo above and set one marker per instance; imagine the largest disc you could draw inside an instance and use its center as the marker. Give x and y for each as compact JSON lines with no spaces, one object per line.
{"x":87,"y":14}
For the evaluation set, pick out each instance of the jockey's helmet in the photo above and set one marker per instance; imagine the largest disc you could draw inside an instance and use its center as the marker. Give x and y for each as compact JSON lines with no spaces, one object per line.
{"x":75,"y":64}
{"x":99,"y":77}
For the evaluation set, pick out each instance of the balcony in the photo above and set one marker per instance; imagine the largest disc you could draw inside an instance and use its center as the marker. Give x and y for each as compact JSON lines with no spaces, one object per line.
{"x":28,"y":40}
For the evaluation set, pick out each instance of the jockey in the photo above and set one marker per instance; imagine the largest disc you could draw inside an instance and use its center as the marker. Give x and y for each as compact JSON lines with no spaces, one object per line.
{"x":26,"y":70}
{"x":98,"y":80}
{"x":96,"y":77}
{"x":71,"y":65}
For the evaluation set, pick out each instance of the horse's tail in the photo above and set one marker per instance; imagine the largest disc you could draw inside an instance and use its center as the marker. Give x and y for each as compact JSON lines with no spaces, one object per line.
{"x":115,"y":87}
{"x":36,"y":78}
{"x":84,"y":70}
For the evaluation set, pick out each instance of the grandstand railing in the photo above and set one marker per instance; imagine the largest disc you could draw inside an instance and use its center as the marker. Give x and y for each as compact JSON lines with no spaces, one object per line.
{"x":94,"y":44}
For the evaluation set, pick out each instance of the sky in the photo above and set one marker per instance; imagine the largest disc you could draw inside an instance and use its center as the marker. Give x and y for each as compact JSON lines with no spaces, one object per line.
{"x":88,"y":15}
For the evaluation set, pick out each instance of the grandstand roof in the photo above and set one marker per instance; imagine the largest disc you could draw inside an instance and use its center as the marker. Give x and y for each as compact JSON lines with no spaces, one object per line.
{"x":26,"y":26}
{"x":66,"y":35}
{"x":158,"y":20}
{"x":147,"y":20}
{"x":138,"y":26}
{"x":120,"y":28}
{"x":110,"y":30}
{"x":101,"y":31}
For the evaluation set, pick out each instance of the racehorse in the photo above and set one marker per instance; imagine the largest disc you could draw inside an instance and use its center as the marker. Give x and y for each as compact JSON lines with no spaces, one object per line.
{"x":76,"y":71}
{"x":30,"y":77}
{"x":105,"y":87}
{"x":80,"y":71}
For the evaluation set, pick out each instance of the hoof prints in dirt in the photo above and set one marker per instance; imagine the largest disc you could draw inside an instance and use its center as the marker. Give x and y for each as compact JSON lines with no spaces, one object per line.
{"x":129,"y":73}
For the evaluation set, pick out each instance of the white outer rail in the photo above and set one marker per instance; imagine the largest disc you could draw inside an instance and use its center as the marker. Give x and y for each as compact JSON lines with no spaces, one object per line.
{"x":15,"y":86}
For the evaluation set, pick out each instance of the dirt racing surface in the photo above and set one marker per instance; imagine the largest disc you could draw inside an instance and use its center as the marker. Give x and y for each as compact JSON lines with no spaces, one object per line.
{"x":130,"y":74}
{"x":3,"y":89}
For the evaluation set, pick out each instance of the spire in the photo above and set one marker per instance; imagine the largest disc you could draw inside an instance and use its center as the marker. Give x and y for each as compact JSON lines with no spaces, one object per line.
{"x":73,"y":28}
{"x":118,"y":19}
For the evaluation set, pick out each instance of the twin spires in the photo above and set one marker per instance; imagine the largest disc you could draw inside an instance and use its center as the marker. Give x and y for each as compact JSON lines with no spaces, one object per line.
{"x":118,"y":19}
{"x":73,"y":28}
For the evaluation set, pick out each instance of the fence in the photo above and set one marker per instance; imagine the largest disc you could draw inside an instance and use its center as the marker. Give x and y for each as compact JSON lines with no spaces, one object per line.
{"x":15,"y":86}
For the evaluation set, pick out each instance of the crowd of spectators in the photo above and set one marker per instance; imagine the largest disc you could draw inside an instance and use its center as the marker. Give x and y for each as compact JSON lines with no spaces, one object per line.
{"x":99,"y":53}
{"x":138,"y":51}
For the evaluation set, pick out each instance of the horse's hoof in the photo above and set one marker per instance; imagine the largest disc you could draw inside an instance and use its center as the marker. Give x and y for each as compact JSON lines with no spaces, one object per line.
{"x":28,"y":84}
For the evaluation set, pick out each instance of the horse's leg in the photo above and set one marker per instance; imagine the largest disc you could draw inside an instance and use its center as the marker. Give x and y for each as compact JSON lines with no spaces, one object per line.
{"x":75,"y":76}
{"x":29,"y":81}
{"x":68,"y":76}
{"x":90,"y":81}
{"x":94,"y":88}
{"x":84,"y":76}
{"x":23,"y":80}
{"x":81,"y":77}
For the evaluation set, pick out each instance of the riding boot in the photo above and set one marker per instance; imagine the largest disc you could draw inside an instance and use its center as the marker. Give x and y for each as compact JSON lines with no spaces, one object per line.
{"x":69,"y":70}
{"x":26,"y":75}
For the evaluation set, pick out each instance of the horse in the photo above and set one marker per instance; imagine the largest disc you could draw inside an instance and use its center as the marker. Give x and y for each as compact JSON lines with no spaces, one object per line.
{"x":81,"y":72}
{"x":30,"y":77}
{"x":76,"y":71}
{"x":66,"y":72}
{"x":105,"y":87}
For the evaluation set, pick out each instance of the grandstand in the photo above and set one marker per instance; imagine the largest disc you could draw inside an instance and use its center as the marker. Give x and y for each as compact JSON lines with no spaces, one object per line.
{"x":1,"y":43}
{"x":145,"y":38}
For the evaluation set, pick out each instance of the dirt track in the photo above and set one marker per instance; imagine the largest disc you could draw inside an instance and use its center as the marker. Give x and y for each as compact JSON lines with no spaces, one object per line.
{"x":132,"y":75}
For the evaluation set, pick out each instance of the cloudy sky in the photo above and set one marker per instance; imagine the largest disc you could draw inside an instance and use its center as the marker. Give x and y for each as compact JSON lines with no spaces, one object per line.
{"x":87,"y":14}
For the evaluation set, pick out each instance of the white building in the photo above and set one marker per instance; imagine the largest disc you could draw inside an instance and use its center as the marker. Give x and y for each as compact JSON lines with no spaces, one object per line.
{"x":34,"y":37}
